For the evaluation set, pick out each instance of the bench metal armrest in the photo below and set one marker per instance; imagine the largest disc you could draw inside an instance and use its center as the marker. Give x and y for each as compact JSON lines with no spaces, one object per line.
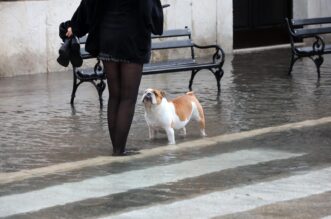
{"x":218,"y":56}
{"x":319,"y":45}
{"x":292,"y":33}
{"x":98,"y":67}
{"x":290,"y":28}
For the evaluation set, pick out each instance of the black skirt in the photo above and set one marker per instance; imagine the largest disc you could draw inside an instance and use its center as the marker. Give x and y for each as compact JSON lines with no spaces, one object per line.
{"x":123,"y":38}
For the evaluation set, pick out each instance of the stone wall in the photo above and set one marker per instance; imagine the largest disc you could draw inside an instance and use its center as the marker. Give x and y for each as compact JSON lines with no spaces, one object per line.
{"x":311,"y":9}
{"x":30,"y":41}
{"x":29,"y":29}
{"x":23,"y":37}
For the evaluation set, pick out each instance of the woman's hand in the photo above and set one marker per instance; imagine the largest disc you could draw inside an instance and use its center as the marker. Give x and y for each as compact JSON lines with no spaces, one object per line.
{"x":69,"y":32}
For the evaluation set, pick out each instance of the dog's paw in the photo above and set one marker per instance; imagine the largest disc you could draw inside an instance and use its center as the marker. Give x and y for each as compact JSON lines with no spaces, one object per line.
{"x":182,"y":132}
{"x":171,"y":143}
{"x":203,"y":133}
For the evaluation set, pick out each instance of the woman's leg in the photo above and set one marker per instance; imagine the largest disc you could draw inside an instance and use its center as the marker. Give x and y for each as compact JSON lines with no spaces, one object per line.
{"x":112,"y":70}
{"x":130,"y":77}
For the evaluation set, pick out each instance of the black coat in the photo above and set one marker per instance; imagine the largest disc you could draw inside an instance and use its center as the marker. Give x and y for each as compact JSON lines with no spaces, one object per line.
{"x":88,"y":15}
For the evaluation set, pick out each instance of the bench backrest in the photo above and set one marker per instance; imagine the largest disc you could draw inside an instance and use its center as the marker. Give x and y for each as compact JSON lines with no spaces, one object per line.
{"x":302,"y":28}
{"x":295,"y":24}
{"x":174,"y":39}
{"x":170,"y":39}
{"x":299,"y":23}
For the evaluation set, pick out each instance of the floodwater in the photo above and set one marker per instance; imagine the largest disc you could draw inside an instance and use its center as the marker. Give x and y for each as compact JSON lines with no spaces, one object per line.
{"x":39,"y":127}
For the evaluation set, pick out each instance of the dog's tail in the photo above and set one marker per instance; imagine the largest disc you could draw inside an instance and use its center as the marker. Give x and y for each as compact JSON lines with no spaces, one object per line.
{"x":191,"y":93}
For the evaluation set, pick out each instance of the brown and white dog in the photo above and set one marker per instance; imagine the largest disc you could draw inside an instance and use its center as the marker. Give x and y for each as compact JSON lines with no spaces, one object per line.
{"x":169,"y":115}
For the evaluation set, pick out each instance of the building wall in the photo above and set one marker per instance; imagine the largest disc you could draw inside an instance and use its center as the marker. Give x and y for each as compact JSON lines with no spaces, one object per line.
{"x":311,"y":9}
{"x":23,"y":37}
{"x":30,"y":39}
{"x":29,"y":42}
{"x":319,"y":8}
{"x":300,"y":8}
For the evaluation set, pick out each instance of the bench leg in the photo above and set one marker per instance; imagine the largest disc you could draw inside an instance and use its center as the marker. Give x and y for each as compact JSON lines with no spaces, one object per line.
{"x":318,"y":62}
{"x":218,"y":75}
{"x":101,"y":87}
{"x":293,"y":60}
{"x":194,"y":72}
{"x":74,"y":88}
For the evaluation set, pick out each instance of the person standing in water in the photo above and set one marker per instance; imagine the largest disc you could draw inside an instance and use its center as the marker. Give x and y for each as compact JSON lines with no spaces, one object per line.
{"x":119,"y":35}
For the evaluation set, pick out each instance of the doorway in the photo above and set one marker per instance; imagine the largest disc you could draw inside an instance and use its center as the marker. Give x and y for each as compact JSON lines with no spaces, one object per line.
{"x":260,"y":22}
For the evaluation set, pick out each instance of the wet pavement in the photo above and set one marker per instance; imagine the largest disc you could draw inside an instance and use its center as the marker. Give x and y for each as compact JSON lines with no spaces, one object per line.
{"x":39,"y":128}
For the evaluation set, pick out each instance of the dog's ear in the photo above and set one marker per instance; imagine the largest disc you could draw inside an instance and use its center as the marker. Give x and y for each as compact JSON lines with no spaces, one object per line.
{"x":159,"y":93}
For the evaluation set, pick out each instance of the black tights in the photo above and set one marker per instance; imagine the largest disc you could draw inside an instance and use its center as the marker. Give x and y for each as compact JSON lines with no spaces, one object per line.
{"x":123,"y":84}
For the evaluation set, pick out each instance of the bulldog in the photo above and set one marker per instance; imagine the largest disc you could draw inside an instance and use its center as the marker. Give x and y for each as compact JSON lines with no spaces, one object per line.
{"x":170,"y":115}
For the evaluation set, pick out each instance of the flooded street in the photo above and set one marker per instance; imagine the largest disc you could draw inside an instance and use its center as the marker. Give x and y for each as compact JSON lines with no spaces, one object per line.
{"x":267,"y":154}
{"x":39,"y":127}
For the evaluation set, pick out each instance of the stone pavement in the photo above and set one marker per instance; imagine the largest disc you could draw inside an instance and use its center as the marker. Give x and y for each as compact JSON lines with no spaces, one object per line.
{"x":267,"y":154}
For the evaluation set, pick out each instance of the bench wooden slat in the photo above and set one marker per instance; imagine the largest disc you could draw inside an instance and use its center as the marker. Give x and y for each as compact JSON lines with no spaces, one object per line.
{"x":176,"y":62}
{"x":83,"y":39}
{"x":311,"y":21}
{"x":173,"y":33}
{"x":312,"y":31}
{"x":149,"y":69}
{"x":179,"y":68}
{"x":89,"y":74}
{"x":172,"y":44}
{"x":308,"y":50}
{"x":84,"y":54}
